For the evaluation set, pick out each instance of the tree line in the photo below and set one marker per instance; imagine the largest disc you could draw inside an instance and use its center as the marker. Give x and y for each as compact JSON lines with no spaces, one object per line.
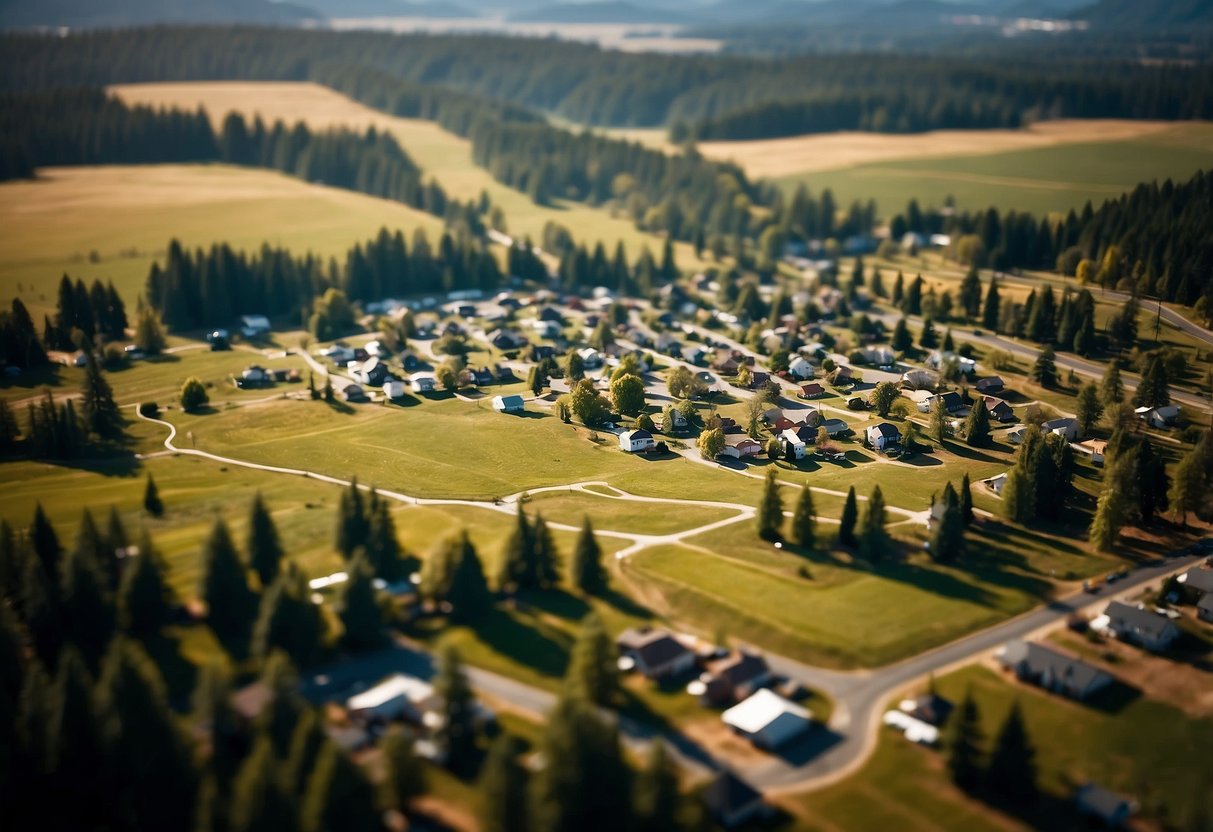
{"x":89,"y":127}
{"x":590,"y":85}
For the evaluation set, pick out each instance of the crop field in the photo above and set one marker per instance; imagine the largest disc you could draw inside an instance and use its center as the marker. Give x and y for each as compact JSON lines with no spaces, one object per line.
{"x":442,"y":155}
{"x":1039,"y":180}
{"x":1136,"y":745}
{"x":113,"y":222}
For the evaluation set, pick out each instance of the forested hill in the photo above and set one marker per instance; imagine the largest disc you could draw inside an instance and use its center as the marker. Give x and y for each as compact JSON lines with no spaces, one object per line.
{"x":589,"y":85}
{"x":135,"y":12}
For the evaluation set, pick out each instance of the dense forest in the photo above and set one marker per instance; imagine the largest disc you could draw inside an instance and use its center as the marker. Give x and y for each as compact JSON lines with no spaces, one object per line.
{"x":589,"y":85}
{"x":88,"y":127}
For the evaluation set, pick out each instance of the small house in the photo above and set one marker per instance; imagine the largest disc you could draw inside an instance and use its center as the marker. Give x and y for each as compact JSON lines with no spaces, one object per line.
{"x":989,"y":384}
{"x":398,"y":697}
{"x":883,"y":437}
{"x":1204,"y":608}
{"x":998,"y":409}
{"x":996,"y":483}
{"x":509,"y":404}
{"x":739,"y":445}
{"x":1052,"y":669}
{"x":1065,"y":427}
{"x":731,"y":801}
{"x":836,"y":428}
{"x":591,"y":359}
{"x":812,"y":391}
{"x":254,"y":326}
{"x":1016,"y":434}
{"x":1095,"y":449}
{"x":732,"y":679}
{"x":507,"y":339}
{"x":1141,"y":626}
{"x":768,"y":720}
{"x":542,"y":351}
{"x":424,"y":383}
{"x":939,"y":359}
{"x":353,"y":393}
{"x":634,"y":441}
{"x":254,"y":376}
{"x":393,"y":389}
{"x":1110,"y":808}
{"x":1197,"y":582}
{"x":953,"y":402}
{"x":793,"y":444}
{"x":655,"y":653}
{"x":1159,"y":417}
{"x":919,"y":380}
{"x":801,"y":367}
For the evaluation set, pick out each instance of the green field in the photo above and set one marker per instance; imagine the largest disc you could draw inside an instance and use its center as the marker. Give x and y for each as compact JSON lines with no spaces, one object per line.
{"x":1039,"y":181}
{"x":1138,"y":746}
{"x":622,"y":515}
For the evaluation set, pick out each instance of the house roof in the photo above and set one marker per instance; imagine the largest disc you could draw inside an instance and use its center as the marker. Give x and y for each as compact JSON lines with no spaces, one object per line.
{"x":931,"y":709}
{"x":1103,"y":802}
{"x":1199,"y":579}
{"x":735,"y":439}
{"x":726,"y":794}
{"x":991,"y":381}
{"x":410,"y":688}
{"x":886,"y":430}
{"x":761,"y":710}
{"x":1038,"y":660}
{"x":743,"y":668}
{"x":511,"y":401}
{"x":1206,"y":603}
{"x":1142,"y":620}
{"x":1056,"y":424}
{"x":812,"y":389}
{"x":663,"y":648}
{"x":834,"y":423}
{"x":633,"y":435}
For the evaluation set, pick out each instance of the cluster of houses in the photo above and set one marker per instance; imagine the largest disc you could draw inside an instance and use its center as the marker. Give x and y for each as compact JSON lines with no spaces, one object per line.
{"x":255,"y":377}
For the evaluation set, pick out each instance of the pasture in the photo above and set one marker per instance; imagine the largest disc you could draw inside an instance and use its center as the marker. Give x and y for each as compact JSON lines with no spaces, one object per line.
{"x":113,"y":222}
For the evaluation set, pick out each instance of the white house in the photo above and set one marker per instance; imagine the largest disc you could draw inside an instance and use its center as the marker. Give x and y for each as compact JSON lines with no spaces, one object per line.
{"x":997,"y":483}
{"x":1159,"y":417}
{"x":1064,"y":427}
{"x":800,"y":367}
{"x":633,"y":441}
{"x":423,"y":382}
{"x":791,"y":439}
{"x":254,"y":326}
{"x":919,"y":380}
{"x":939,"y":359}
{"x":508,"y":404}
{"x":883,"y":436}
{"x":393,"y":389}
{"x":1141,"y":626}
{"x":396,"y":697}
{"x":768,"y":720}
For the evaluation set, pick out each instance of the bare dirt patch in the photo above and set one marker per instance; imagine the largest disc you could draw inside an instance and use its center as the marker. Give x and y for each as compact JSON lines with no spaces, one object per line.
{"x":834,"y":151}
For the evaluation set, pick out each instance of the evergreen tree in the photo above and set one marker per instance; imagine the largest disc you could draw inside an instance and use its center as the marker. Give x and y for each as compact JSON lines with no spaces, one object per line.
{"x":977,"y":425}
{"x":231,"y":605}
{"x":457,"y":735}
{"x":101,"y":415}
{"x":947,"y":532}
{"x":850,"y":515}
{"x":873,"y":538}
{"x":383,"y":547}
{"x":1111,"y":388}
{"x":966,"y":500}
{"x":338,"y":795}
{"x":901,"y":341}
{"x":264,"y":547}
{"x":284,"y":713}
{"x":144,"y":597}
{"x":804,"y":520}
{"x":1109,"y":516}
{"x":927,"y":339}
{"x":359,"y":610}
{"x":519,"y":552}
{"x":586,"y":570}
{"x":39,"y":605}
{"x":259,"y":802}
{"x":287,"y":620}
{"x":963,"y":745}
{"x":970,"y":293}
{"x":592,"y":673}
{"x":1044,"y":371}
{"x":88,"y":609}
{"x":940,"y":426}
{"x":503,"y":788}
{"x":115,"y":541}
{"x":1012,"y":769}
{"x":45,"y":543}
{"x":1154,"y":389}
{"x":1089,"y":408}
{"x":656,"y":795}
{"x":223,"y":731}
{"x":770,"y":510}
{"x":152,"y":503}
{"x":404,"y":777}
{"x":74,"y":750}
{"x":545,"y":565}
{"x":352,"y":523}
{"x":468,"y":591}
{"x":150,"y":782}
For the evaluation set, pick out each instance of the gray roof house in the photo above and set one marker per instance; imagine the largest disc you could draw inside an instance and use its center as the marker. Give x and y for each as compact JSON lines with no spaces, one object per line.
{"x":884,"y":436}
{"x":1052,"y":669}
{"x":735,"y":678}
{"x":655,"y":653}
{"x":1204,"y":609}
{"x":1141,"y":626}
{"x":1198,"y":580}
{"x":1095,"y":801}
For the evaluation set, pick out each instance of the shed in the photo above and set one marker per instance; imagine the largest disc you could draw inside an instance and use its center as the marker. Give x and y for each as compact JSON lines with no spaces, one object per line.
{"x":768,"y":720}
{"x":633,"y":441}
{"x":1095,"y":801}
{"x":509,"y":404}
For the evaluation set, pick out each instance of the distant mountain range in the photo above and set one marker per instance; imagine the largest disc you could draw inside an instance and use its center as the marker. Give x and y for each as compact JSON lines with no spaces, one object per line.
{"x":606,"y":11}
{"x":133,"y":12}
{"x":436,"y":9}
{"x":1153,"y":14}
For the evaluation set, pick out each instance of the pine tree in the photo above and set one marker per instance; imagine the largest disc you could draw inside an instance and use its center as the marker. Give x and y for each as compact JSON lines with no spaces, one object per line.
{"x":1188,"y":487}
{"x":947,"y":533}
{"x":88,"y":609}
{"x":352,"y":523}
{"x":457,"y":735}
{"x":1109,"y":515}
{"x":901,"y":341}
{"x":592,"y":673}
{"x":101,"y":415}
{"x":39,"y":605}
{"x":338,"y":795}
{"x":850,"y":515}
{"x":1089,"y":409}
{"x":970,"y":293}
{"x":404,"y":777}
{"x":221,"y":729}
{"x":259,"y":803}
{"x":468,"y":591}
{"x":1153,"y":390}
{"x":264,"y":547}
{"x":963,"y":745}
{"x":977,"y":425}
{"x":287,"y":620}
{"x":116,"y":541}
{"x":656,"y":795}
{"x":503,"y":786}
{"x":519,"y":552}
{"x":151,"y":779}
{"x":939,"y":421}
{"x":966,"y":500}
{"x":1111,"y":388}
{"x":74,"y":750}
{"x":804,"y":520}
{"x":144,"y":597}
{"x":770,"y":510}
{"x":152,"y":503}
{"x":586,"y":570}
{"x":45,"y":543}
{"x":231,"y":605}
{"x":1012,"y":769}
{"x":545,"y":565}
{"x":873,"y":538}
{"x":1044,"y":371}
{"x":12,"y":562}
{"x":359,"y":610}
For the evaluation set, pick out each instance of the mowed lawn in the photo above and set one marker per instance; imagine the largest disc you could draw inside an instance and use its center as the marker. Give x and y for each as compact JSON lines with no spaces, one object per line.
{"x":623,"y":515}
{"x":442,"y":155}
{"x":1133,"y":745}
{"x":1038,"y":180}
{"x":113,"y":222}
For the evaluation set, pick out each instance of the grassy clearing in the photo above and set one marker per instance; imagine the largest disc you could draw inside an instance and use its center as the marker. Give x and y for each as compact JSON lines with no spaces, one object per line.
{"x":1134,"y":745}
{"x":622,"y":515}
{"x":440,"y":154}
{"x":127,"y":215}
{"x":1039,"y":180}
